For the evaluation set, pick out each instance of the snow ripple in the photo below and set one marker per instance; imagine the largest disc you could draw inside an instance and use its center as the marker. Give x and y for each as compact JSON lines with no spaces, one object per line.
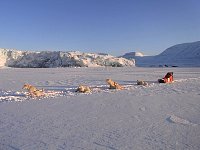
{"x":178,"y":120}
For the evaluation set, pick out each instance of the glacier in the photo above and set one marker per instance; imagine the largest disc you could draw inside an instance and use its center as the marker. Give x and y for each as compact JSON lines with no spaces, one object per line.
{"x":52,"y":59}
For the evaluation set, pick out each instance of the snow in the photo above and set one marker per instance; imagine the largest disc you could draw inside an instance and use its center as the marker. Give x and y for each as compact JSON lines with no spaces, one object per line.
{"x":158,"y":116}
{"x":52,"y":59}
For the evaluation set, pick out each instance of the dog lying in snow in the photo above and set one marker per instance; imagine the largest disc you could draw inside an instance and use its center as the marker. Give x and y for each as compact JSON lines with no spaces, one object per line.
{"x":141,"y":82}
{"x":33,"y":91}
{"x":38,"y":93}
{"x":30,"y":88}
{"x":83,"y":89}
{"x":114,"y":85}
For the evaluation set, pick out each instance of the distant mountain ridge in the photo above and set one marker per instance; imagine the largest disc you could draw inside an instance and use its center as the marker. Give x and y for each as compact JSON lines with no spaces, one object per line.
{"x":132,"y":55}
{"x":51,"y":59}
{"x":183,"y":55}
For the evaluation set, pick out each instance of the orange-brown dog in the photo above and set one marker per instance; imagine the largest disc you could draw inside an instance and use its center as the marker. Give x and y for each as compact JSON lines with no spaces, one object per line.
{"x":33,"y":91}
{"x":83,"y":89}
{"x":114,"y":85}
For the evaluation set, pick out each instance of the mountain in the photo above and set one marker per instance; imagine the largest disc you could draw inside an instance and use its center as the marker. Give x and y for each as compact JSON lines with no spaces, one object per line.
{"x":49,"y":59}
{"x":187,"y":54}
{"x":183,"y":55}
{"x":132,"y":55}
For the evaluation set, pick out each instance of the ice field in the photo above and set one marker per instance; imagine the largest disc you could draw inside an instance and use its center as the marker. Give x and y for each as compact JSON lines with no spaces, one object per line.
{"x":158,"y":116}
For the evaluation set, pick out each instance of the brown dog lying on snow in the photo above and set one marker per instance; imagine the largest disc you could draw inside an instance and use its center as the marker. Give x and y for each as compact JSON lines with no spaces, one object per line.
{"x":34,"y":92}
{"x":83,"y":89}
{"x":141,"y":82}
{"x":114,"y":85}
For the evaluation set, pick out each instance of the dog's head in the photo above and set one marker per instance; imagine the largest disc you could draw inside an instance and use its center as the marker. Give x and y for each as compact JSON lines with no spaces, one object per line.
{"x":80,"y":88}
{"x":140,"y":82}
{"x":26,"y":86}
{"x":110,"y":82}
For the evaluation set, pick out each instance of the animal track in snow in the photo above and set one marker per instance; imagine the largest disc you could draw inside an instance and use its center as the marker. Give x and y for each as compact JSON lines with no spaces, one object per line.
{"x":109,"y":139}
{"x":142,"y":108}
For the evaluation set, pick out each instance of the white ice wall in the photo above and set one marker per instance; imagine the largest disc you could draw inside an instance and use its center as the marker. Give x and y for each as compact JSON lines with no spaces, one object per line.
{"x":49,"y":59}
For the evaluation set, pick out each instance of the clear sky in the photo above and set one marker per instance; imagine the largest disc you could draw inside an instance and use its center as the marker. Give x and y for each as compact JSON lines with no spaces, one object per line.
{"x":109,"y":26}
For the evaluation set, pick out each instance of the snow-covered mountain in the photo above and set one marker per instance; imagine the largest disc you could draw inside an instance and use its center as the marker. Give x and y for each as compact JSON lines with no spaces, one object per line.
{"x":49,"y":59}
{"x":133,"y":55}
{"x":187,"y":54}
{"x":183,"y":55}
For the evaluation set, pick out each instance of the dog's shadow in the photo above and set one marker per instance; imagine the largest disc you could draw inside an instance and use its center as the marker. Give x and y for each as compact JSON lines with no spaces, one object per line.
{"x":12,"y":96}
{"x":100,"y":87}
{"x":57,"y":88}
{"x":135,"y":82}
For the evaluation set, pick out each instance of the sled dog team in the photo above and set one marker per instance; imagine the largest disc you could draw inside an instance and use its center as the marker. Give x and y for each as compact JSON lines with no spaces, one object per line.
{"x":34,"y":92}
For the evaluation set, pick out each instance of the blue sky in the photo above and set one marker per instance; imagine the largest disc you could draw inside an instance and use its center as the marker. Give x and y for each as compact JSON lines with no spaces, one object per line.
{"x":109,"y":26}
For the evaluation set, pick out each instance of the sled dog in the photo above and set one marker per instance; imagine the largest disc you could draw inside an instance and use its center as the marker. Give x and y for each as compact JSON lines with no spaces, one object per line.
{"x":33,"y":91}
{"x":83,"y":89}
{"x":30,"y":88}
{"x":141,"y":82}
{"x":114,"y":85}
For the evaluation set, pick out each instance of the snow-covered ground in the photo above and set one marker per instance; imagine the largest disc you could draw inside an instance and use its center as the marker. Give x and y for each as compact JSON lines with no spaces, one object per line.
{"x":159,"y":116}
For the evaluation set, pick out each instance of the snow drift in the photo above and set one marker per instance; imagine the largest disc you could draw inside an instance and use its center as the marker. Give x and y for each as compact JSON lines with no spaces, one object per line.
{"x":49,"y":59}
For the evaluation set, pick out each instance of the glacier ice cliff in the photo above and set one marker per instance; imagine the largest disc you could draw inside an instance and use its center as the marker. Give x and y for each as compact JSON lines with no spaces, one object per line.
{"x":51,"y":59}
